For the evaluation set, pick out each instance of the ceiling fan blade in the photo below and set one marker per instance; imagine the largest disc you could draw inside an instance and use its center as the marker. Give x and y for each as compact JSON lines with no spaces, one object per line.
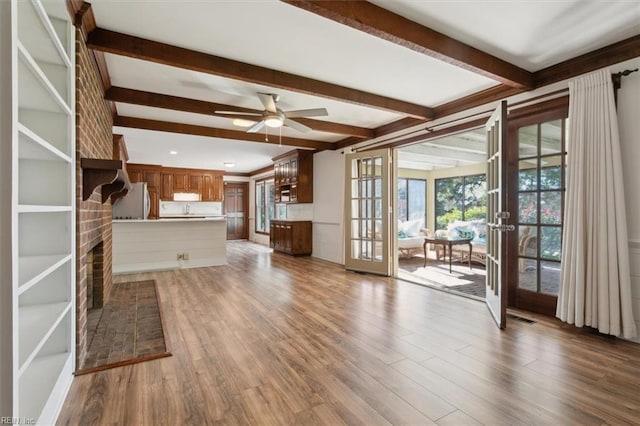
{"x":246,"y":114}
{"x":253,"y":117}
{"x":256,"y":127}
{"x":314,"y":112}
{"x":298,"y":126}
{"x":268,"y":102}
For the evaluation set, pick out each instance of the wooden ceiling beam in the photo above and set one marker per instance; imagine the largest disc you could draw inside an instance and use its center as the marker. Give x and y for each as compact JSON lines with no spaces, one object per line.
{"x":139,"y":48}
{"x":597,"y":59}
{"x":382,"y":23}
{"x":190,"y":129}
{"x":157,"y":100}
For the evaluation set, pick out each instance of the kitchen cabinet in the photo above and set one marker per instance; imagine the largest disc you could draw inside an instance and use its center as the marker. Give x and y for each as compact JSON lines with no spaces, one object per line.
{"x":195,"y":183}
{"x":150,"y":175}
{"x":181,"y":182}
{"x":213,"y":187}
{"x":291,"y":236}
{"x":163,"y":182}
{"x":37,"y":58}
{"x":166,"y":186}
{"x":293,"y":177}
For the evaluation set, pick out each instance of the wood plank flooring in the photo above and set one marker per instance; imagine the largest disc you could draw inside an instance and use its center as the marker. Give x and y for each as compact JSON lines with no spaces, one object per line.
{"x":272,"y":339}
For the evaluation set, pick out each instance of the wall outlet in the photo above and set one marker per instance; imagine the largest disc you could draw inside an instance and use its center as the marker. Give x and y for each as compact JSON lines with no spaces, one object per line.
{"x":185,"y":256}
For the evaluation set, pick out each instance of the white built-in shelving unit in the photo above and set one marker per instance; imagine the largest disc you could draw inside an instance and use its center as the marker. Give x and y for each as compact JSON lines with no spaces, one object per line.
{"x":43,"y":207}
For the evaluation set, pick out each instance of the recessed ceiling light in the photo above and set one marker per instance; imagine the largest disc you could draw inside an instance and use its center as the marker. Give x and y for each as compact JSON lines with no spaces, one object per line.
{"x":173,"y":152}
{"x":229,"y":164}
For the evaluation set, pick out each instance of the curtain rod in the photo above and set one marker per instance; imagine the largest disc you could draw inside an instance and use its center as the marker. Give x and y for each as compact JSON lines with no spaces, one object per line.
{"x":616,"y":78}
{"x":617,"y":82}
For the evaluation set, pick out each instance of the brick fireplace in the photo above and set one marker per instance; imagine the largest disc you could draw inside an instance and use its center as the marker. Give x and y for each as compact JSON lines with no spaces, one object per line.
{"x":94,"y":139}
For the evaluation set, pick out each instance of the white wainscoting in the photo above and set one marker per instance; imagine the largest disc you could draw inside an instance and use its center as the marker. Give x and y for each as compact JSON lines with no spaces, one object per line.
{"x":152,"y":245}
{"x":328,"y":242}
{"x":634,"y":260}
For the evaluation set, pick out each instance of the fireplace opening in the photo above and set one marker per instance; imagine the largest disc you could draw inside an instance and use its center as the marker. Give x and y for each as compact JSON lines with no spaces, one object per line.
{"x":95,"y":287}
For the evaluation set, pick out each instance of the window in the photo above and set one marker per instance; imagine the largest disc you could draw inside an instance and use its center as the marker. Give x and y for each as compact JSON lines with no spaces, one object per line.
{"x":265,"y":205}
{"x":460,"y":198}
{"x":412,"y":195}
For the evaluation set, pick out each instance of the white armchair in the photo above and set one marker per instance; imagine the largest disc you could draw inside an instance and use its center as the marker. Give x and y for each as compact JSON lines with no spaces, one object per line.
{"x":411,"y":245}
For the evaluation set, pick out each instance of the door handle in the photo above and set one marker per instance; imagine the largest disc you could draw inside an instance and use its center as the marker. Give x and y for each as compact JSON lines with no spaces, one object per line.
{"x":502,"y":228}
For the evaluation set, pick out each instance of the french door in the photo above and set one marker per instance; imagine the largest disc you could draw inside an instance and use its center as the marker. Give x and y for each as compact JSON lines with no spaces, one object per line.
{"x":537,"y":191}
{"x":367,"y":209}
{"x":497,"y":216}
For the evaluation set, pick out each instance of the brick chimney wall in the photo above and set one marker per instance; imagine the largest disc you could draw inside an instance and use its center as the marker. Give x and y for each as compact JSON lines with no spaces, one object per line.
{"x":93,"y":219}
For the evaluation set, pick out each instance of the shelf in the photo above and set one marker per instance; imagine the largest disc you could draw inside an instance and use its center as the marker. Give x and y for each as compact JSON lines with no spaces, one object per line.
{"x":36,"y":91}
{"x":109,"y":174}
{"x":47,"y":234}
{"x":42,"y":209}
{"x":36,"y":32}
{"x":36,"y":324}
{"x":34,"y":147}
{"x":37,"y":382}
{"x":32,"y":269}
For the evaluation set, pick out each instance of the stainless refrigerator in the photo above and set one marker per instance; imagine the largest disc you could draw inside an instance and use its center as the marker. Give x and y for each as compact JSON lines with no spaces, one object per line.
{"x":134,"y":205}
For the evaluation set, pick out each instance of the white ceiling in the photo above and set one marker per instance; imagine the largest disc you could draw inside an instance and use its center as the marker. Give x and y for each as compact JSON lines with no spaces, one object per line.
{"x":271,"y":34}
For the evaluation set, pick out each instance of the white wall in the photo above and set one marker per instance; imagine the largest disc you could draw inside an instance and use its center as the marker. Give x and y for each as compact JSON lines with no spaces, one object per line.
{"x":328,"y":206}
{"x":6,"y":117}
{"x":629,"y":123}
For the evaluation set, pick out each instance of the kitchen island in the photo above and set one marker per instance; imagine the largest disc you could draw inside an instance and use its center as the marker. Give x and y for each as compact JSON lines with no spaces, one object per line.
{"x":171,"y":243}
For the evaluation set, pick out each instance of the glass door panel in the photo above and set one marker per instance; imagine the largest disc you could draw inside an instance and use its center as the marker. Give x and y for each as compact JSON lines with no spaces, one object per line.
{"x":367,"y":198}
{"x":540,"y":196}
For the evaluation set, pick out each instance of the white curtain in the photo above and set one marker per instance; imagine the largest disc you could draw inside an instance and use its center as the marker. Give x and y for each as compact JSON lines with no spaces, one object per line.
{"x":595,"y":288}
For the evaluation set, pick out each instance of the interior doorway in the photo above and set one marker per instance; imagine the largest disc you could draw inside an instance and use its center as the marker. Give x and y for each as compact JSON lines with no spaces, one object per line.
{"x":441,"y":192}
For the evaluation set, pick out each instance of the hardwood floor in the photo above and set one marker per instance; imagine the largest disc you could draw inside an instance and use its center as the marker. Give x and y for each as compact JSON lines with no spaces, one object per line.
{"x":273,"y":339}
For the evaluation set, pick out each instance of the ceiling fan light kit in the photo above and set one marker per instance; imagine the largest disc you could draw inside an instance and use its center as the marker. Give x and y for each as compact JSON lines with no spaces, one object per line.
{"x":274,"y":120}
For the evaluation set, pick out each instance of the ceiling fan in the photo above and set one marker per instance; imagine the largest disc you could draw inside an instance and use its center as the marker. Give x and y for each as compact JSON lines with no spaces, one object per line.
{"x":272,"y":116}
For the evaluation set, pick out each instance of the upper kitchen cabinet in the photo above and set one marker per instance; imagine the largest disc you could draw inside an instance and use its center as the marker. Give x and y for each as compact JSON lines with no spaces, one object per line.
{"x":213,"y":187}
{"x":164,"y":182}
{"x":293,"y":177}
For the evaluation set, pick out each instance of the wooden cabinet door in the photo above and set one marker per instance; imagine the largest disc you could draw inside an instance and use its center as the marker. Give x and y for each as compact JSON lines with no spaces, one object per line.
{"x":152,"y":178}
{"x":195,"y":184}
{"x":206,"y":193}
{"x":166,"y":190}
{"x":218,"y":188}
{"x":272,"y":235}
{"x":293,"y":170}
{"x":135,"y":176}
{"x":153,"y":199}
{"x":180,"y":182}
{"x":288,"y":238}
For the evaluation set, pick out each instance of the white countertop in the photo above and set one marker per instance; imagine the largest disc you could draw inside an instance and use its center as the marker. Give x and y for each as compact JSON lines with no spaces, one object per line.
{"x":174,"y":219}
